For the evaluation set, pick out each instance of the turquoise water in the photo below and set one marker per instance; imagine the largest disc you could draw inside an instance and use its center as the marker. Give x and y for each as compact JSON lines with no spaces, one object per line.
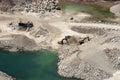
{"x":40,"y":65}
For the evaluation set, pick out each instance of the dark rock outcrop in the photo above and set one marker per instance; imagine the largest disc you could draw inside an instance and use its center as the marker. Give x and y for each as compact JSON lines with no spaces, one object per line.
{"x":73,"y":40}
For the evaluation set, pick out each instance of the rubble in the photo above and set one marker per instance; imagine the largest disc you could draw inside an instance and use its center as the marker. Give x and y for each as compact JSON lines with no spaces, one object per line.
{"x":114,"y":57}
{"x":71,"y":65}
{"x":42,"y":6}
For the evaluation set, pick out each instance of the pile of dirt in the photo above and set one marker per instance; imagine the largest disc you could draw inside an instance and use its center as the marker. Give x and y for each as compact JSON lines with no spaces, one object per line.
{"x":16,"y":42}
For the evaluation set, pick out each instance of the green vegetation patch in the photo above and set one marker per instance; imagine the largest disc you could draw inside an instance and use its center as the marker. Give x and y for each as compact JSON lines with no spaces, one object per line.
{"x":95,"y":10}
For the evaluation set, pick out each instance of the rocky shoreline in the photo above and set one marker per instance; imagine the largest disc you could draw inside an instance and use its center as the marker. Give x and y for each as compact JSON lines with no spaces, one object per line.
{"x":4,"y":76}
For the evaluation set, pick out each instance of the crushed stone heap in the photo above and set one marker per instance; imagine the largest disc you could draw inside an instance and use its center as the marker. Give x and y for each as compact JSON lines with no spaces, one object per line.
{"x":42,"y":6}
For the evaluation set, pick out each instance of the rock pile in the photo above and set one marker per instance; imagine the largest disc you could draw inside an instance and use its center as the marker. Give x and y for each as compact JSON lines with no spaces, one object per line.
{"x":114,"y":57}
{"x":71,"y":65}
{"x":36,"y":6}
{"x":42,"y":6}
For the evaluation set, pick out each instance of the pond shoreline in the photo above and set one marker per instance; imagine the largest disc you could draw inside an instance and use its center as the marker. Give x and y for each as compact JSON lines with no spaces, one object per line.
{"x":44,"y":54}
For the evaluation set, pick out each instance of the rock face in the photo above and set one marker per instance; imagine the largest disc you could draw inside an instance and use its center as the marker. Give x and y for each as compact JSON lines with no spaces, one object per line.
{"x":4,"y":76}
{"x":71,"y":65}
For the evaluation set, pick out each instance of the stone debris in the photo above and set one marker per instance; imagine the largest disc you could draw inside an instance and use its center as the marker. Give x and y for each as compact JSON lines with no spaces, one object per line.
{"x":114,"y":57}
{"x":42,"y":6}
{"x":67,"y":50}
{"x":71,"y":65}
